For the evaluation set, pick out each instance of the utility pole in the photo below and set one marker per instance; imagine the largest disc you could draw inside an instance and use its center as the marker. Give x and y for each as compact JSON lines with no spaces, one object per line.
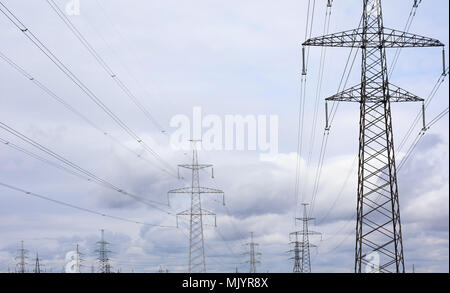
{"x":21,"y":259}
{"x":103,"y":260}
{"x":196,"y":213}
{"x":253,"y":254}
{"x":302,"y":255}
{"x":378,"y":227}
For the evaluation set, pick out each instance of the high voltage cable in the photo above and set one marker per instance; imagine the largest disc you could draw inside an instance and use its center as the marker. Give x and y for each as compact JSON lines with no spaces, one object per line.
{"x":411,"y":16}
{"x":73,"y":110}
{"x":420,"y":135}
{"x":63,"y":68}
{"x":301,"y":111}
{"x":91,"y":176}
{"x":326,"y":28}
{"x":342,"y":84}
{"x":87,"y":210}
{"x":429,"y":99}
{"x":103,"y":63}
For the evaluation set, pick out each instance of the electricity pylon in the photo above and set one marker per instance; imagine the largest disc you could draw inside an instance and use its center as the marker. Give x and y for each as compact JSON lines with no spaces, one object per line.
{"x":37,"y":265}
{"x":103,"y":260}
{"x":378,"y":228}
{"x":302,"y":255}
{"x":196,"y":213}
{"x":21,"y":259}
{"x":253,"y":254}
{"x":78,"y":260}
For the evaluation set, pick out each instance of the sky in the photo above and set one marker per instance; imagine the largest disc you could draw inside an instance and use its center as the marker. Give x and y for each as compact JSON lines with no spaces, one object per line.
{"x":229,"y":58}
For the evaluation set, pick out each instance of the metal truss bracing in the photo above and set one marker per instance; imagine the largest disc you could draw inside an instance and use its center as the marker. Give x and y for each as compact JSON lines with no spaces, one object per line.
{"x":196,"y":241}
{"x":379,"y":245}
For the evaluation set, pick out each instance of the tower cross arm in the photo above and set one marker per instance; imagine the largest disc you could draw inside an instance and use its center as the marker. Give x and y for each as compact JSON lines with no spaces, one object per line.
{"x":349,"y":38}
{"x":195,"y":167}
{"x":197,"y":190}
{"x":354,"y":39}
{"x":201,"y":190}
{"x":374,"y":95}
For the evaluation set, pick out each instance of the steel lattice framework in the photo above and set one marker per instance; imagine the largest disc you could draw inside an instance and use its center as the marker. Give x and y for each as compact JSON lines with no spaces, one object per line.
{"x":302,"y":254}
{"x":378,"y":230}
{"x":196,"y":213}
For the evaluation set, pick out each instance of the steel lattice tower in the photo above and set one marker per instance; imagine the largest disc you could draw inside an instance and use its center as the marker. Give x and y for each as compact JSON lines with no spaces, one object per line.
{"x":78,"y":260}
{"x":21,"y":259}
{"x":297,"y":251}
{"x":37,"y":265}
{"x":103,"y":260}
{"x":196,"y":213}
{"x":378,"y":228}
{"x":302,"y":255}
{"x":253,"y":254}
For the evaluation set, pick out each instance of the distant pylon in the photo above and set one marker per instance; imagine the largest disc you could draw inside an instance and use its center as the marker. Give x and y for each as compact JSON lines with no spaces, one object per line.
{"x":302,"y":254}
{"x":78,"y":260}
{"x":297,"y":253}
{"x":196,"y":213}
{"x":21,"y":259}
{"x":37,"y":265}
{"x":253,"y":254}
{"x":103,"y":260}
{"x":378,"y":226}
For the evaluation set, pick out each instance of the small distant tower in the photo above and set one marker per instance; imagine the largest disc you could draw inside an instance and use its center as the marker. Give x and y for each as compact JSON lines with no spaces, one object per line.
{"x":297,"y":252}
{"x":302,"y":256}
{"x":21,"y":259}
{"x":103,"y":260}
{"x":37,"y":266}
{"x":78,"y":260}
{"x":253,"y":254}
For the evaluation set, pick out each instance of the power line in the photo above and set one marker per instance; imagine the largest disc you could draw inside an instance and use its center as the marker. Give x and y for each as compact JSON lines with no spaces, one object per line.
{"x":413,"y":146}
{"x":92,"y":96}
{"x":103,"y":63}
{"x":407,"y":27}
{"x":73,"y":110}
{"x":87,"y":210}
{"x":91,"y":176}
{"x":429,"y":99}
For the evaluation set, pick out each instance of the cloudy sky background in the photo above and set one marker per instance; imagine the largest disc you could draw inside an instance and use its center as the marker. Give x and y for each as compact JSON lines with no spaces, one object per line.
{"x":229,"y":57}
